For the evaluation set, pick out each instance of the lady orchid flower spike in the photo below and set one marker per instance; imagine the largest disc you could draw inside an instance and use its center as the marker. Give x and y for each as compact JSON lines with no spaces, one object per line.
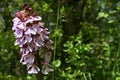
{"x":31,"y":36}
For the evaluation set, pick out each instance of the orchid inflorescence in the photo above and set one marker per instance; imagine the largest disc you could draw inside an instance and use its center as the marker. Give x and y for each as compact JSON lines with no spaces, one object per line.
{"x":32,"y":38}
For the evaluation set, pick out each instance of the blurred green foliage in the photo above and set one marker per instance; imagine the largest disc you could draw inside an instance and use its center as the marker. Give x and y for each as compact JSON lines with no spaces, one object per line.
{"x":86,"y":35}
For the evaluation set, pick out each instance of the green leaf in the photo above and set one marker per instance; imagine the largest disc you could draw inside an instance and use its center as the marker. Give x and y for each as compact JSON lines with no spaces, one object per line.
{"x":56,"y":63}
{"x":102,"y":15}
{"x":117,"y":78}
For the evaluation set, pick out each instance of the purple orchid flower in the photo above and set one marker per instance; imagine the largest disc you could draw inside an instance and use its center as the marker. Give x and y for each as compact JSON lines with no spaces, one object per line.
{"x":31,"y":36}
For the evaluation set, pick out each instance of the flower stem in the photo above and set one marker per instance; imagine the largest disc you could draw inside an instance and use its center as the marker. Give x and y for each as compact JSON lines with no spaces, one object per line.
{"x":38,"y":61}
{"x":55,"y":42}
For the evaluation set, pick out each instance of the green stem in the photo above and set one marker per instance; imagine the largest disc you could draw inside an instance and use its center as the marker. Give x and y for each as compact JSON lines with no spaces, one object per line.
{"x":38,"y":61}
{"x":90,"y":77}
{"x":55,"y":42}
{"x":85,"y":78}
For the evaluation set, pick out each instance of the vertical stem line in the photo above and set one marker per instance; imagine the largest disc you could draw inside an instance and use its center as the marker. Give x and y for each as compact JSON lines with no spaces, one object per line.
{"x":90,"y":76}
{"x":38,"y":60}
{"x":55,"y":42}
{"x":56,"y":29}
{"x":85,"y":78}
